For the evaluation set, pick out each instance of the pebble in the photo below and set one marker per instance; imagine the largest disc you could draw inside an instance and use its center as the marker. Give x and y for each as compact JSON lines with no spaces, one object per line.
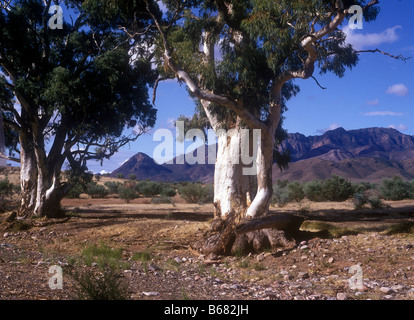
{"x":386,"y":290}
{"x":341,"y":296}
{"x":178,"y":260}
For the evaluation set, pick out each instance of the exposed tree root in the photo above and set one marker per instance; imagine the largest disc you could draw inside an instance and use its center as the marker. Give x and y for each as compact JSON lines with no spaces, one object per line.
{"x":255,"y":235}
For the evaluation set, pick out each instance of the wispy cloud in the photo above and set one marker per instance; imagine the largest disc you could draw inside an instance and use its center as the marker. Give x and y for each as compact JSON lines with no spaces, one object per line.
{"x":401,"y":127}
{"x":374,"y":102}
{"x":398,"y":89}
{"x":383,"y":113}
{"x":371,"y":40}
{"x":333,"y":126}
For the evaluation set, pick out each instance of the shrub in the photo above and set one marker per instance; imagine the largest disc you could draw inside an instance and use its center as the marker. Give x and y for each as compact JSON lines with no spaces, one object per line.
{"x":112,"y":186}
{"x":120,"y":175}
{"x":375,"y":202}
{"x":108,"y":285}
{"x":168,"y":192}
{"x":6,"y":189}
{"x":296,"y":192}
{"x":127,"y":193}
{"x":149,"y":188}
{"x":337,"y":189}
{"x":96,"y":190}
{"x":132,"y":176}
{"x":314,"y":191}
{"x":197,"y":193}
{"x":395,"y":189}
{"x":360,"y":200}
{"x":75,"y":191}
{"x":162,"y":199}
{"x":280,"y":195}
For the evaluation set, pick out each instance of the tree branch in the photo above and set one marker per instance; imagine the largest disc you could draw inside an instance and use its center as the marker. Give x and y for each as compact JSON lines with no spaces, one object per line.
{"x":399,"y":57}
{"x":199,"y":93}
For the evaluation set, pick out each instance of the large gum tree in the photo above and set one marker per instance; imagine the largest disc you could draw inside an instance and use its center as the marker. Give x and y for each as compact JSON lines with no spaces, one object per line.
{"x":239,"y":60}
{"x":68,"y":91}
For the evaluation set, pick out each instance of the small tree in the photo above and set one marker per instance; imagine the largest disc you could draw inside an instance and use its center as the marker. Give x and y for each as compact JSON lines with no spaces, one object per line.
{"x":132,"y":176}
{"x":127,"y":193}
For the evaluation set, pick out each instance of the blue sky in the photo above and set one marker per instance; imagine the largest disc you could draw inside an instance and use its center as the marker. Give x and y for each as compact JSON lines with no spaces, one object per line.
{"x":377,"y":93}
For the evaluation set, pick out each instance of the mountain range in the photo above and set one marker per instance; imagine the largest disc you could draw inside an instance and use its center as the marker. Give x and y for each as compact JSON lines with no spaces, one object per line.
{"x":369,"y":154}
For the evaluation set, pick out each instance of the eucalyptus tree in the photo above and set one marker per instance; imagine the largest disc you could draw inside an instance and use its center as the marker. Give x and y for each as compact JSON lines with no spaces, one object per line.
{"x":69,"y":88}
{"x":239,"y":60}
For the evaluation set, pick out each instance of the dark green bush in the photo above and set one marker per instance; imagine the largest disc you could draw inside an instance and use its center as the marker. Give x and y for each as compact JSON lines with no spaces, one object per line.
{"x":132,"y":176}
{"x":197,"y":193}
{"x":295,"y":191}
{"x":149,"y":188}
{"x":113,"y":186}
{"x":75,"y":191}
{"x":337,"y":189}
{"x":168,"y":192}
{"x":96,"y":190}
{"x":395,"y":189}
{"x":314,"y":191}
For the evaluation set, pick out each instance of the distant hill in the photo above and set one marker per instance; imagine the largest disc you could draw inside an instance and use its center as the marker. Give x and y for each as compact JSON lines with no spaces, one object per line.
{"x":360,"y":155}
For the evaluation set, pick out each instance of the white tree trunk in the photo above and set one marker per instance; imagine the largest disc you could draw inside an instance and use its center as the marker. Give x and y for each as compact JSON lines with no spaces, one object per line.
{"x":232,"y":189}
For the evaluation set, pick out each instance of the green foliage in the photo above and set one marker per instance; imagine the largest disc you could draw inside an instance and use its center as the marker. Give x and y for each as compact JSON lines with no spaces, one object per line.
{"x":106,"y":285}
{"x":396,"y":189}
{"x":162,"y":200}
{"x":296,"y":192}
{"x":120,"y":175}
{"x":337,"y":189}
{"x":332,"y":189}
{"x":96,"y":190}
{"x":127,"y":193}
{"x":168,"y":191}
{"x":197,"y":193}
{"x":6,"y":189}
{"x":113,"y":186}
{"x":285,"y":192}
{"x":149,"y":188}
{"x":75,"y":191}
{"x":314,"y":191}
{"x":132,"y":176}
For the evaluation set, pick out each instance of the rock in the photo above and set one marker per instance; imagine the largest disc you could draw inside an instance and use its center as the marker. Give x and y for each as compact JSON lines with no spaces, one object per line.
{"x":397,"y":288}
{"x":178,"y":260}
{"x":331,"y":260}
{"x":388,"y":297}
{"x":6,"y":234}
{"x":386,"y":290}
{"x":287,"y":277}
{"x":212,"y":256}
{"x":260,"y":257}
{"x":303,"y":275}
{"x":149,"y":293}
{"x":341,"y":296}
{"x":304,"y":247}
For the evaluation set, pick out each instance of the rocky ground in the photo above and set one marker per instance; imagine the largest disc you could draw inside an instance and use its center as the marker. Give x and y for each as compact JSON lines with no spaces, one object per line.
{"x":319,"y":268}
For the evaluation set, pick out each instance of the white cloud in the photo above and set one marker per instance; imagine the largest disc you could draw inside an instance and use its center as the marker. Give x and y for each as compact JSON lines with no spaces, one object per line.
{"x":374,"y":102}
{"x":333,"y":126}
{"x":401,"y":127}
{"x":383,"y":113}
{"x":398,"y":89}
{"x":370,"y":40}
